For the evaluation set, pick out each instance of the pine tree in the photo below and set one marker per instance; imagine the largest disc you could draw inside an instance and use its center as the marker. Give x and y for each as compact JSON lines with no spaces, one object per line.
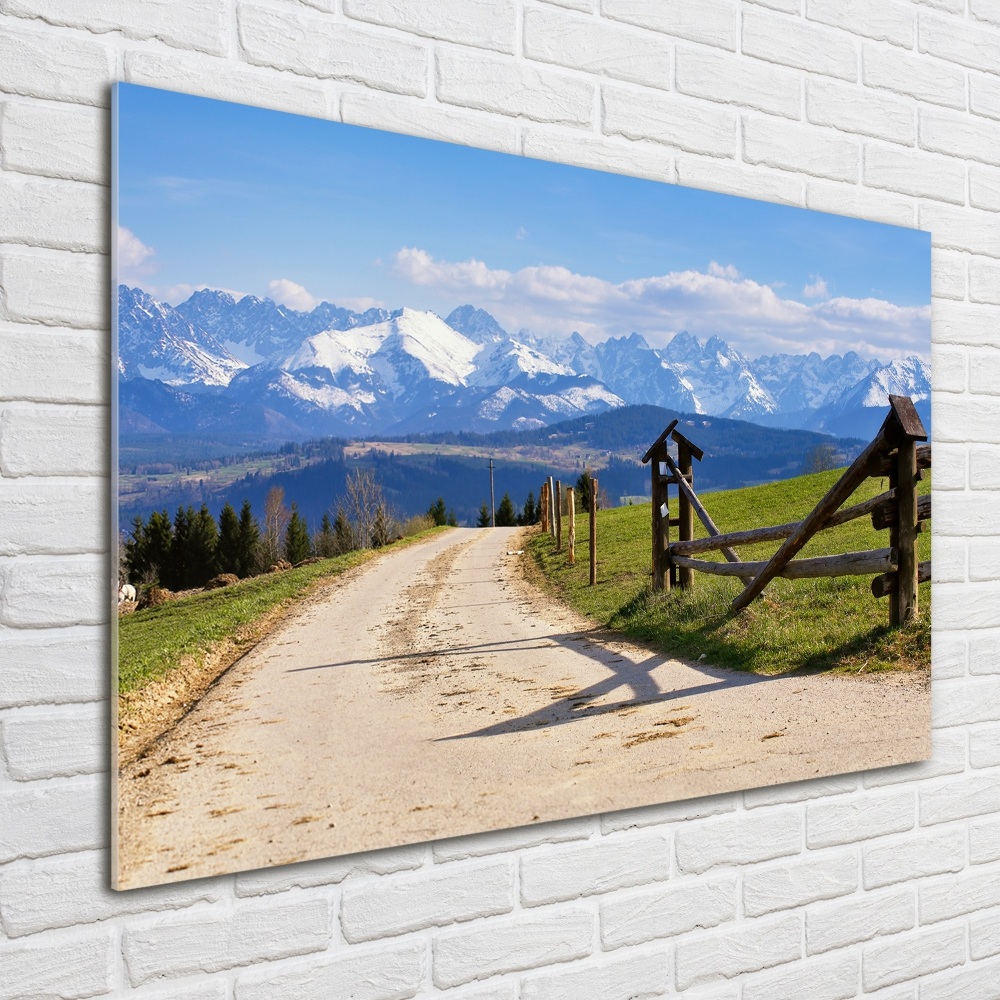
{"x":530,"y":513}
{"x":582,"y":491}
{"x":325,"y":542}
{"x":136,"y":551}
{"x":437,"y":512}
{"x":203,"y":541}
{"x":249,"y":542}
{"x":484,"y":515}
{"x":159,"y":538}
{"x":176,"y":573}
{"x":297,"y":545}
{"x":342,"y":532}
{"x":227,"y":552}
{"x":452,"y":519}
{"x":380,"y":527}
{"x":506,"y":513}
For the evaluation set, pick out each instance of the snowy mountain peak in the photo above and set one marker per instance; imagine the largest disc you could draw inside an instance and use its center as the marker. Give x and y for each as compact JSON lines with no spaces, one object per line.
{"x":476,"y":324}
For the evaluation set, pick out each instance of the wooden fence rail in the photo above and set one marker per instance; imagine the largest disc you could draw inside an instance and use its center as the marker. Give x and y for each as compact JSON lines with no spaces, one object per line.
{"x":893,"y":452}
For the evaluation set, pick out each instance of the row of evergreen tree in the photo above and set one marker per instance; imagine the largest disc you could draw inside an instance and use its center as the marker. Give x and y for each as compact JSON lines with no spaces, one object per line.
{"x":508,"y":516}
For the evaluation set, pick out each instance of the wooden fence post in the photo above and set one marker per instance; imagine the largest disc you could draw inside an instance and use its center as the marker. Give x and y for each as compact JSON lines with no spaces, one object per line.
{"x":543,"y":501}
{"x":559,"y":495}
{"x":593,"y":531}
{"x":685,"y":512}
{"x":903,"y":603}
{"x":571,"y":513}
{"x":661,"y":523}
{"x":552,"y":514}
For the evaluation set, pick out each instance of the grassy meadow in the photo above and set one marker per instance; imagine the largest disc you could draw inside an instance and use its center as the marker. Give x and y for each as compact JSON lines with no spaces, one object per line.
{"x":826,"y":624}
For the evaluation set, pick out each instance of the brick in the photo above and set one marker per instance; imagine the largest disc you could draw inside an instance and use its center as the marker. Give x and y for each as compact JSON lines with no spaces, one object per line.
{"x":787,"y":6}
{"x":384,"y":907}
{"x":201,"y":26}
{"x":668,"y":812}
{"x":948,"y":272}
{"x":511,"y":945}
{"x":959,"y":799}
{"x":784,"y":887}
{"x":400,"y":114}
{"x":711,"y":22}
{"x":984,"y":560}
{"x":731,"y":80}
{"x":58,"y":967}
{"x":827,"y":979}
{"x":951,"y":368}
{"x":858,"y":109}
{"x":38,"y":439}
{"x":800,"y":791}
{"x":486,"y":24}
{"x":49,"y":667}
{"x":645,"y":975}
{"x":635,"y":918}
{"x":984,"y":467}
{"x":225,"y":80}
{"x":549,"y":875}
{"x":962,"y":984}
{"x":205,"y":991}
{"x":906,"y":958}
{"x":970,"y":516}
{"x":51,"y":517}
{"x":385,"y":973}
{"x":876,"y":19}
{"x":711,"y":174}
{"x":984,"y":281}
{"x":47,"y":592}
{"x":801,"y":148}
{"x":861,"y":203}
{"x":984,"y":96}
{"x":598,"y":152}
{"x":53,"y":366}
{"x":55,"y":743}
{"x":962,"y":323}
{"x":329,"y":871}
{"x":860,"y":817}
{"x":799,"y":44}
{"x":984,"y":188}
{"x":965,"y":229}
{"x":597,"y":47}
{"x":948,"y":897}
{"x":959,"y":136}
{"x":690,"y":126}
{"x":54,"y":140}
{"x":901,"y":860}
{"x":742,"y":839}
{"x":952,"y":463}
{"x":53,"y":818}
{"x":67,"y":891}
{"x":756,"y":945}
{"x":501,"y":841}
{"x":985,"y":10}
{"x":860,"y":918}
{"x":974,"y":605}
{"x":324,"y":48}
{"x":962,"y":703}
{"x":55,"y":288}
{"x":984,"y":747}
{"x":958,"y":41}
{"x":914,"y":173}
{"x":76,"y":69}
{"x":512,"y":88}
{"x":984,"y":652}
{"x":984,"y":936}
{"x":947,"y":747}
{"x":209,"y":942}
{"x":950,"y":561}
{"x":913,"y":76}
{"x":62,"y":215}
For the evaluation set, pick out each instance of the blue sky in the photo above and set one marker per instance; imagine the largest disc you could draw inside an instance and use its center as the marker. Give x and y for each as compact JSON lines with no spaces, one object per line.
{"x":299,"y":209}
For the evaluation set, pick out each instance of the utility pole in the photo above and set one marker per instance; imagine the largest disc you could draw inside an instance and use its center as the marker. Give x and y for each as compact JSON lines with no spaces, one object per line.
{"x":493,"y":506}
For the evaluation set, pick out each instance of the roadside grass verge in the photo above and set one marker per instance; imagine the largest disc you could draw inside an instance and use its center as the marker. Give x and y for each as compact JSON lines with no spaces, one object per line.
{"x":155,"y":641}
{"x":826,"y":624}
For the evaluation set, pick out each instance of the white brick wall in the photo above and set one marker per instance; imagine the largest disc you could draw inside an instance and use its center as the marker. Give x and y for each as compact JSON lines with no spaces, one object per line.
{"x":886,"y":884}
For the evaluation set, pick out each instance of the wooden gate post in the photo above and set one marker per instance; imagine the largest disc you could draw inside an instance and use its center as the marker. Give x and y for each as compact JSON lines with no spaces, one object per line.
{"x":685,"y":512}
{"x":552,"y":514}
{"x":661,"y":522}
{"x":903,"y":605}
{"x":543,"y":501}
{"x":593,"y":531}
{"x":559,"y":495}
{"x":571,"y":513}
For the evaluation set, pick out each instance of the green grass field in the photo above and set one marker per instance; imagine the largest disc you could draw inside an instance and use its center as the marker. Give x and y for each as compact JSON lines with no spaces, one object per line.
{"x":154,"y":641}
{"x":811,"y":625}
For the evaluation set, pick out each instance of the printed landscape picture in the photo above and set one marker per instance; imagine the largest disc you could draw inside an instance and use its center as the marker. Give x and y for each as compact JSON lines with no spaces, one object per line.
{"x":459,"y":491}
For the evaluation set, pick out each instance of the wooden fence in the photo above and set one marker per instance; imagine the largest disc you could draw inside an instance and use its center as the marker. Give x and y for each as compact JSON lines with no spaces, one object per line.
{"x":892,"y":453}
{"x":552,"y":498}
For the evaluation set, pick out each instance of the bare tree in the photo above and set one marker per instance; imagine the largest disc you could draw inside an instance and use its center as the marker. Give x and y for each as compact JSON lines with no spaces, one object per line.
{"x":366,"y":507}
{"x":276,"y":518}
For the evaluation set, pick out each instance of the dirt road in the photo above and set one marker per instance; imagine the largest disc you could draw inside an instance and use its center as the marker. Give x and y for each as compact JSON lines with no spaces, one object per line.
{"x":431,"y":693}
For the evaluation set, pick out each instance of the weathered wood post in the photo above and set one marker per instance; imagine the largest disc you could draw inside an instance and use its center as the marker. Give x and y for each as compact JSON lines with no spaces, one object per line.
{"x":543,"y":507}
{"x":593,"y":531}
{"x":903,"y":606}
{"x":571,"y":513}
{"x":660,"y":513}
{"x":552,"y":513}
{"x":685,"y":513}
{"x":559,"y":495}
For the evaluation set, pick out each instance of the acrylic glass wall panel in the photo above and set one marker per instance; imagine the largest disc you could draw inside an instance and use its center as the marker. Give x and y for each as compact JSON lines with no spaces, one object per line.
{"x":340,"y":352}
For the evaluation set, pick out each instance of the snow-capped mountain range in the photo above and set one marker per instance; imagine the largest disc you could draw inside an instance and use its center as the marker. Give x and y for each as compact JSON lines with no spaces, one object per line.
{"x":252,"y":366}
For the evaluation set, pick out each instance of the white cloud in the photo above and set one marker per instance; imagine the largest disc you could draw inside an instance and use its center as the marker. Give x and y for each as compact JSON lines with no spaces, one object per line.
{"x":134,"y":257}
{"x":288,"y":293}
{"x":752,"y":316}
{"x":816,"y":289}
